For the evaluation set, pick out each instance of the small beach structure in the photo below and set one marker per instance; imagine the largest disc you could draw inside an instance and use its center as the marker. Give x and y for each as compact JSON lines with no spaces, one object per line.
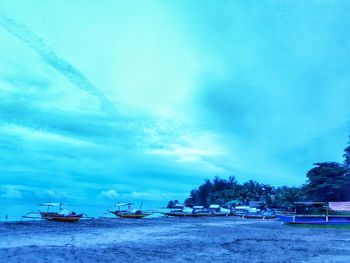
{"x":54,"y":212}
{"x":319,"y":213}
{"x":129,"y":211}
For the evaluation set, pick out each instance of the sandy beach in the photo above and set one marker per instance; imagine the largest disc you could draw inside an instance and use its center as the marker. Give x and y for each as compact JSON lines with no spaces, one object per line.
{"x":171,"y":240}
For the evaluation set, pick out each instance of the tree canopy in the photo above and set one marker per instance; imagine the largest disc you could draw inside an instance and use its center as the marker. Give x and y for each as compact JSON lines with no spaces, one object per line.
{"x":327,"y":181}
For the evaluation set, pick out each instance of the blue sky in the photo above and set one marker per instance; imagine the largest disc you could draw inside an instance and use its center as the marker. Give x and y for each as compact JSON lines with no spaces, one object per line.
{"x":142,"y":100}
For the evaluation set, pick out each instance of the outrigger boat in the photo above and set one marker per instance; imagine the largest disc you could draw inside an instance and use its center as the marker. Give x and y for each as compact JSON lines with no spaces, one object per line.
{"x":248,"y":212}
{"x":240,"y":210}
{"x":199,"y":210}
{"x":217,"y":210}
{"x":180,"y":210}
{"x":61,"y":215}
{"x":129,"y":212}
{"x":265,"y":215}
{"x":318,"y":213}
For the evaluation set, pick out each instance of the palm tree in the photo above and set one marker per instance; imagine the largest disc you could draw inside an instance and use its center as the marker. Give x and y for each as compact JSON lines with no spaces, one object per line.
{"x":255,"y":189}
{"x":291,"y":195}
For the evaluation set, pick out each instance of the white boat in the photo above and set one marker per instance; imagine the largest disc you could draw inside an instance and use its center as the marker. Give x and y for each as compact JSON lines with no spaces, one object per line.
{"x":217,"y":210}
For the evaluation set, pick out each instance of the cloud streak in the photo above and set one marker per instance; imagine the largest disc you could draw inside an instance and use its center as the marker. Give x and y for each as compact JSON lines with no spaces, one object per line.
{"x":32,"y":193}
{"x":50,"y":57}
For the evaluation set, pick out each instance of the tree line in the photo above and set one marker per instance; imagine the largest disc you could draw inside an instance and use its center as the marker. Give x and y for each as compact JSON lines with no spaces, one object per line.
{"x":326,"y":181}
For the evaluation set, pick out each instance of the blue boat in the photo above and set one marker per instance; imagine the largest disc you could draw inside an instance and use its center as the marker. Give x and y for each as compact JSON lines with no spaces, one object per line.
{"x":317,"y":213}
{"x":315,"y":219}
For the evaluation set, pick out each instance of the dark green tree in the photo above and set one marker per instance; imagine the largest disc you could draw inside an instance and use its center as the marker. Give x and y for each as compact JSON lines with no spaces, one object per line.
{"x":347,"y":157}
{"x":255,"y":190}
{"x":290,"y":196}
{"x":326,"y":182}
{"x":172,"y":203}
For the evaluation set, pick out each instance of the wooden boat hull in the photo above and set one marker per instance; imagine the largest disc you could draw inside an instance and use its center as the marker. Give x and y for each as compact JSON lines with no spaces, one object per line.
{"x":133,"y":216}
{"x":263,"y":217}
{"x":64,"y":219}
{"x":236,"y":214}
{"x":201,"y":214}
{"x":61,"y":218}
{"x":219,"y":214}
{"x":315,"y":219}
{"x":178,"y":214}
{"x":187,"y":214}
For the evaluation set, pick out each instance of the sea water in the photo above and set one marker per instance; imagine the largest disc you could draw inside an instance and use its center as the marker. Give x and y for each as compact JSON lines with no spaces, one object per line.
{"x":15,"y":211}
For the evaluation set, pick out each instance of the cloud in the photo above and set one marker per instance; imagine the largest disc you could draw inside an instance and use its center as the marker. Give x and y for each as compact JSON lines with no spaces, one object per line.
{"x":30,"y":193}
{"x":11,"y":193}
{"x":37,"y":135}
{"x":49,"y":56}
{"x":110,"y":194}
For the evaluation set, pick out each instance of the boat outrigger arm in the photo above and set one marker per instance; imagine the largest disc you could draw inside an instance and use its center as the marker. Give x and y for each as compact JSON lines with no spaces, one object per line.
{"x":32,"y":215}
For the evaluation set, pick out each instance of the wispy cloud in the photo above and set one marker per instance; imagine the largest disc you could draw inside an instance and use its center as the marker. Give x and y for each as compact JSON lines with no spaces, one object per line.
{"x":37,"y":135}
{"x":49,"y":56}
{"x":31,"y":193}
{"x":110,"y":194}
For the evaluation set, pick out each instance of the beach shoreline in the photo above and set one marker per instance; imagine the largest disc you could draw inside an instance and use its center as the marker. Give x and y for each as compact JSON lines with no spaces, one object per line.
{"x":171,"y":240}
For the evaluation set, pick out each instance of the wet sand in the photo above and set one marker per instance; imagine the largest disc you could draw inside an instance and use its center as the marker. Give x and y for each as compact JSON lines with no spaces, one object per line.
{"x":227,"y":239}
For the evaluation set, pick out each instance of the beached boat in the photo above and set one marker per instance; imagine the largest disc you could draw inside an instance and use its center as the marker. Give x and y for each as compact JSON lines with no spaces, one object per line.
{"x":199,"y":210}
{"x":318,"y":213}
{"x":129,"y":212}
{"x":179,"y":210}
{"x":315,"y":219}
{"x":240,"y":210}
{"x":61,"y":215}
{"x":248,"y":212}
{"x":217,"y":210}
{"x":260,"y":215}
